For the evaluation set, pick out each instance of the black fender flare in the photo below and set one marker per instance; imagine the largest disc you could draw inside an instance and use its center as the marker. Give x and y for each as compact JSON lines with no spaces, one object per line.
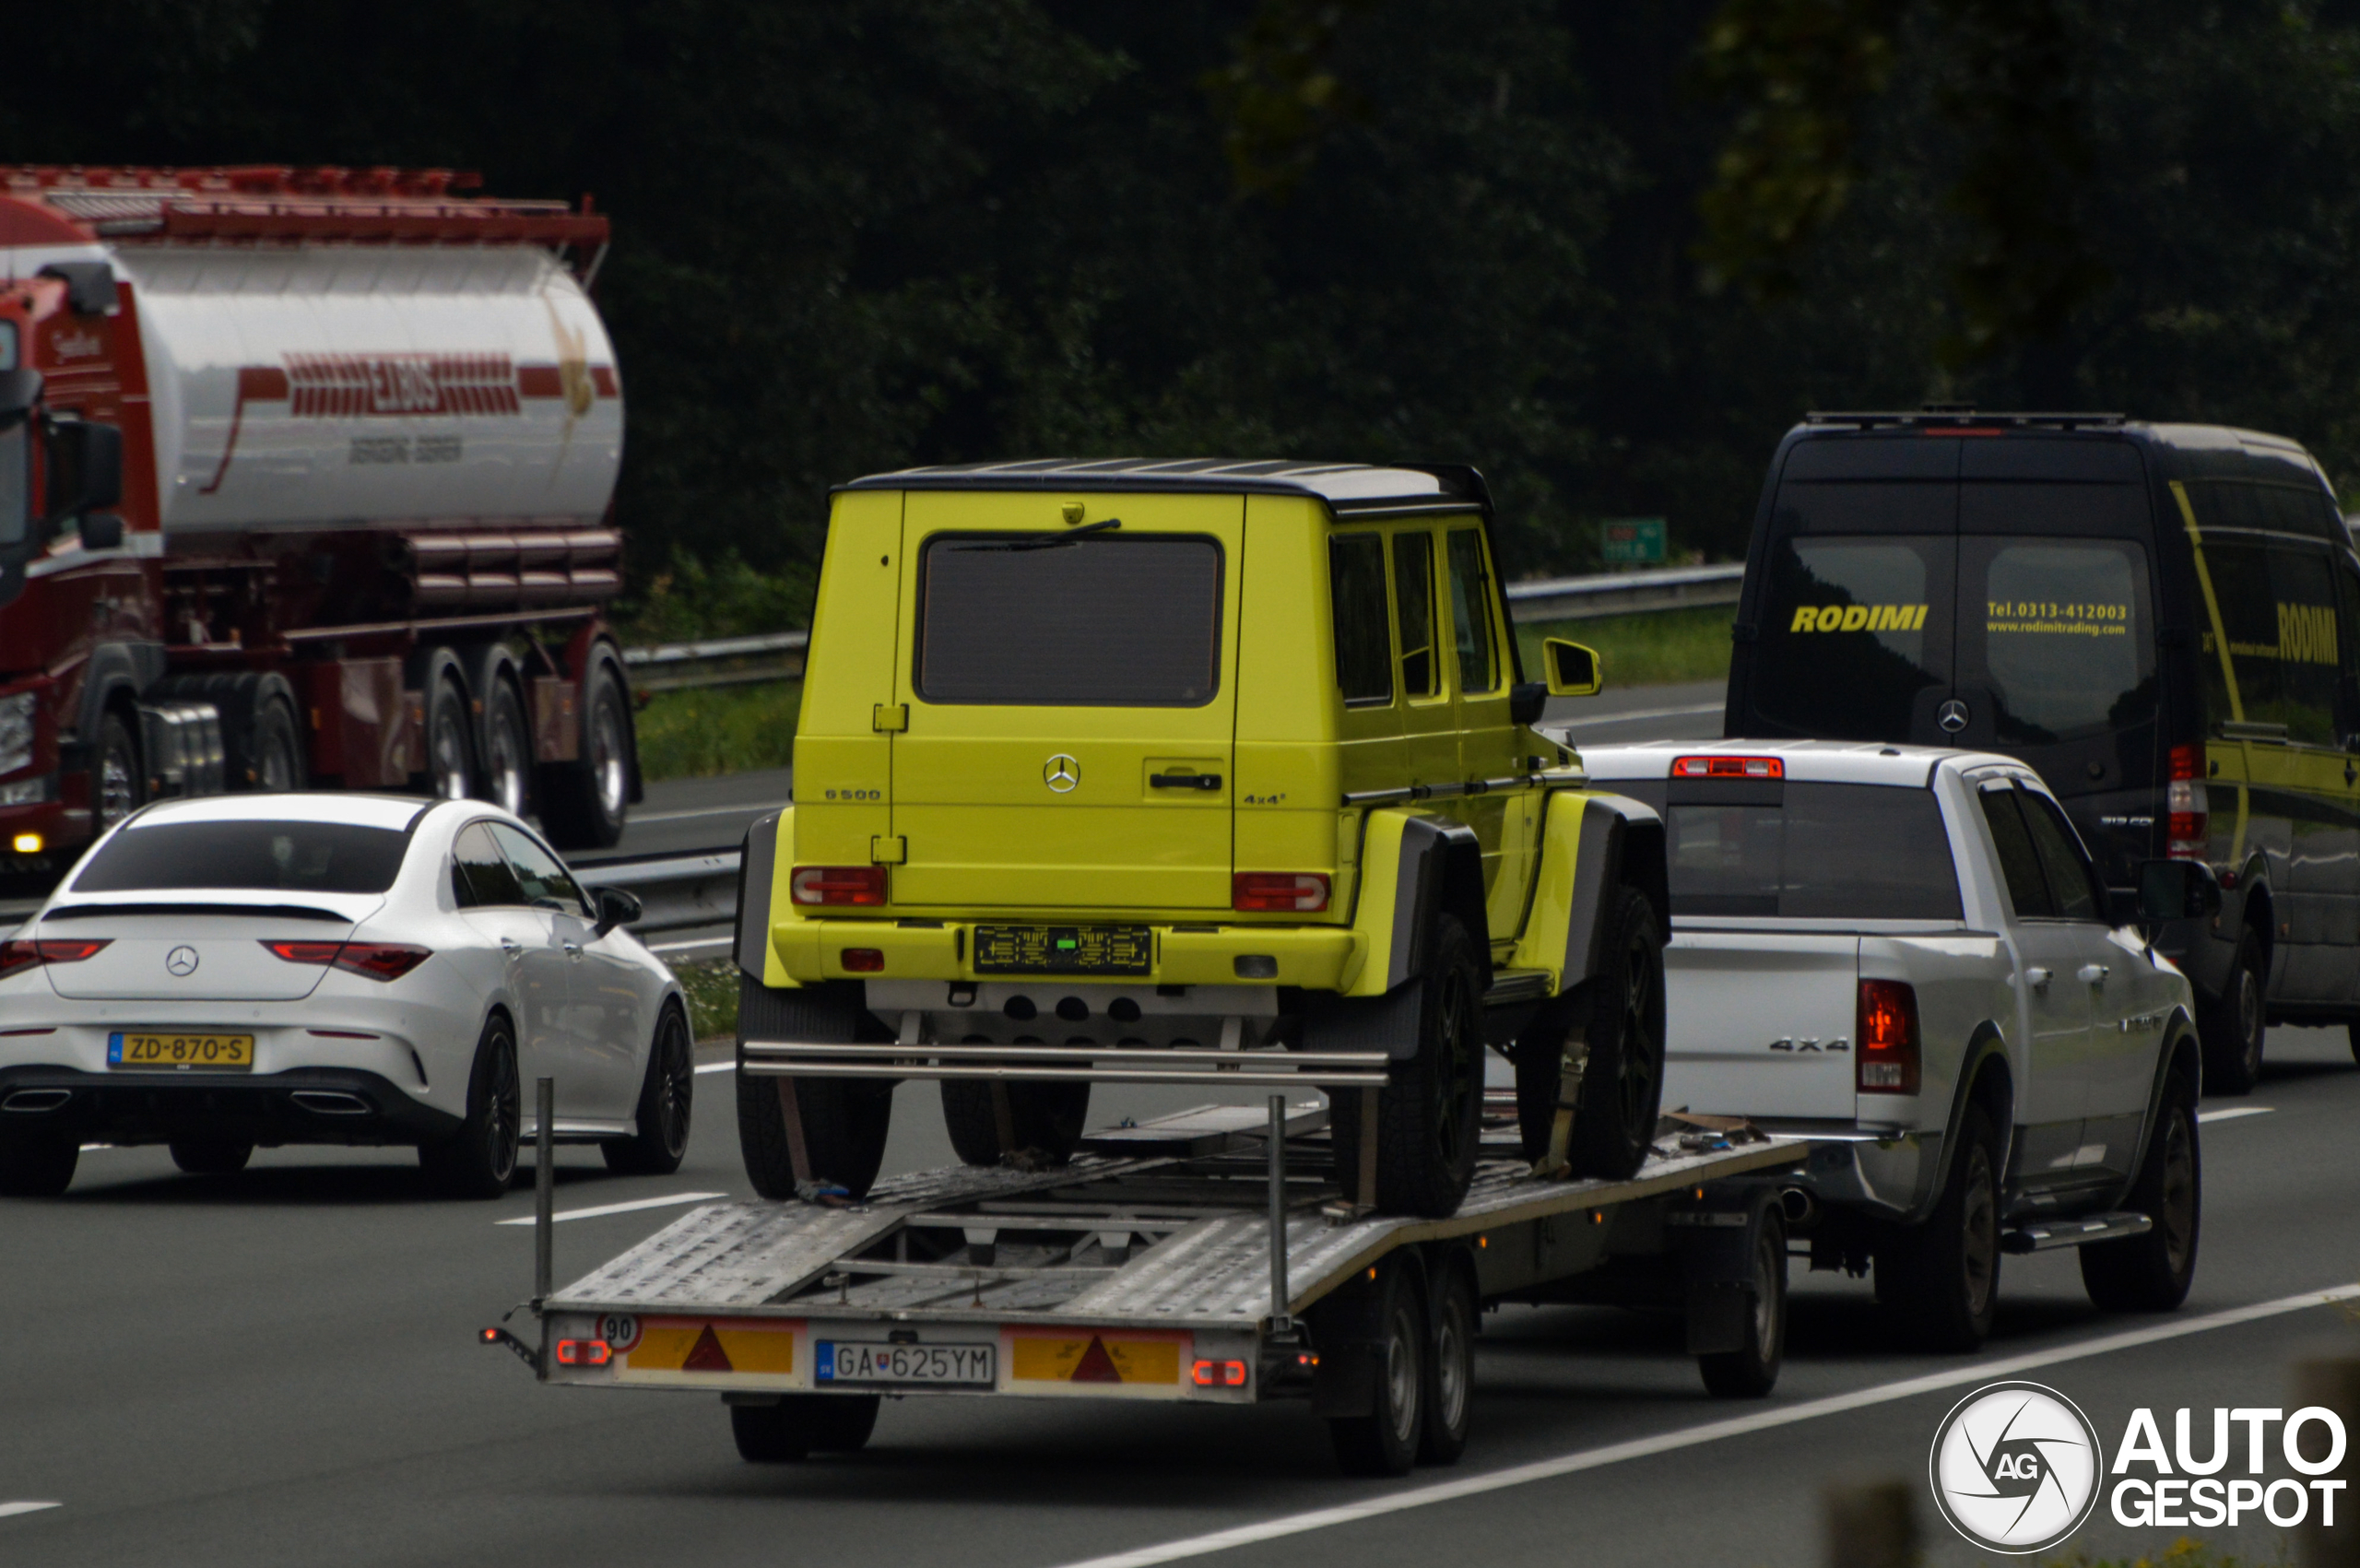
{"x":1622,"y":845}
{"x":1440,"y":872}
{"x":116,"y":672}
{"x":757,"y":869}
{"x":2180,"y":1051}
{"x":1986,"y":1054}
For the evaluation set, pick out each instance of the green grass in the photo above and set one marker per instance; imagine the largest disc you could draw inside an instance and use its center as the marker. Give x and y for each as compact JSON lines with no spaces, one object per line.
{"x":718,"y":729}
{"x":712,"y":990}
{"x":1644,"y":650}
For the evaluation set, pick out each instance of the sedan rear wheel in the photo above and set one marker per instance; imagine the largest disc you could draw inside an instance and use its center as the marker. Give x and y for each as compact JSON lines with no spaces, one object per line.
{"x":480,"y":1162}
{"x":666,"y":1094}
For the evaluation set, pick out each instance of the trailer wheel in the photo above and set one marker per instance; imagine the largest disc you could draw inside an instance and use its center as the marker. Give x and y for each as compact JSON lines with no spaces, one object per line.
{"x":771,"y":1434}
{"x":1751,"y":1370}
{"x":2235,"y":1028}
{"x":584,"y":803}
{"x":1046,"y":1117}
{"x":667,"y":1093}
{"x":1938,"y":1281}
{"x":841,"y":1423}
{"x":480,"y":1162}
{"x":1386,"y":1441}
{"x":36,"y":1165}
{"x":507,"y":750}
{"x":2152,"y":1273}
{"x":1430,"y":1116}
{"x":1453,"y":1319}
{"x":211,"y":1156}
{"x":843,"y":1120}
{"x":117,"y":778}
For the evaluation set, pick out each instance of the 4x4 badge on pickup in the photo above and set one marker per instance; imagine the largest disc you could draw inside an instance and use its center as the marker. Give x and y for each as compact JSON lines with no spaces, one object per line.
{"x":1061,"y":772}
{"x":1790,"y":1044}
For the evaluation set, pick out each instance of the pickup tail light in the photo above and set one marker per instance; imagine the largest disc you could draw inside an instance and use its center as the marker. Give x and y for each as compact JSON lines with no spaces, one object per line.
{"x":855,"y":885}
{"x":1291,"y":893}
{"x":1729,"y":768}
{"x":378,"y":961}
{"x":18,"y":956}
{"x":1885,"y":1052}
{"x":2188,"y":804}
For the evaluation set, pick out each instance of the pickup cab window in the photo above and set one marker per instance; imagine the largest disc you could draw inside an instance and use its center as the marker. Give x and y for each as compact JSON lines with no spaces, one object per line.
{"x":1804,"y":851}
{"x":2048,"y":877}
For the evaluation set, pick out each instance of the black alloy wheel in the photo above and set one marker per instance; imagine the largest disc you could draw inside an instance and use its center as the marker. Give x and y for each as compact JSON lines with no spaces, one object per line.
{"x":1939,"y":1281}
{"x":480,"y":1161}
{"x":667,"y":1094}
{"x":2153,"y":1272}
{"x":1430,"y":1114}
{"x":2235,"y":1028}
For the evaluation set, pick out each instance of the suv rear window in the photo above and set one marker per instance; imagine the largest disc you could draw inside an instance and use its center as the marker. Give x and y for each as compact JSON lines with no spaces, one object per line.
{"x":314,"y":857}
{"x":1034,"y":620}
{"x":1805,"y":851}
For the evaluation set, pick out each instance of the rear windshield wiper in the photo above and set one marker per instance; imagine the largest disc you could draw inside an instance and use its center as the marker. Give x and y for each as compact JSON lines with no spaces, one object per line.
{"x":1045,"y":541}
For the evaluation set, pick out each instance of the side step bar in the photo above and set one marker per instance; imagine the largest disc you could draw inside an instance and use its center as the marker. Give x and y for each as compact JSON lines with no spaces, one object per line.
{"x":1067,"y":1063}
{"x":2051,"y":1233}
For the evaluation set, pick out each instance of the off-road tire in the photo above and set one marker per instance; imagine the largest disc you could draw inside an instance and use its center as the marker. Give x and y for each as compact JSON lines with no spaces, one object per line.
{"x":2152,"y":1273}
{"x":1622,"y":1006}
{"x":1386,"y":1441}
{"x":1938,"y":1281}
{"x":666,"y":1095}
{"x":2234,"y":1026}
{"x":1453,"y":1317}
{"x":480,"y":1162}
{"x":1430,"y":1117}
{"x":844,"y":1120}
{"x":1751,"y":1371}
{"x":36,"y":1165}
{"x":586,"y":802}
{"x":211,"y":1156}
{"x":1048,"y":1119}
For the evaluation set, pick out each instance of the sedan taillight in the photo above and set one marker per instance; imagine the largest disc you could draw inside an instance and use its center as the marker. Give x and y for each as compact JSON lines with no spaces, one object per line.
{"x":378,"y":961}
{"x":838,"y":885}
{"x":17,"y":955}
{"x":1300,"y":892}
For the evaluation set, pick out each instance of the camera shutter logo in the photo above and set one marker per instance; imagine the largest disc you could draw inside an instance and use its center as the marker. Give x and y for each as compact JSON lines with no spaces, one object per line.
{"x":2016,"y":1467}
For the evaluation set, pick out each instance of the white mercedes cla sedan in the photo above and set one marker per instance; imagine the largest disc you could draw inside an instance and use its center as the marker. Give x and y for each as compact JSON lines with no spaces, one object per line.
{"x":248,"y":969}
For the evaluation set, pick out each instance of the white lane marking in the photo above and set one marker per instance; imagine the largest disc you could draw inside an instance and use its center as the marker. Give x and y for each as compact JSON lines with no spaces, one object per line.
{"x":2233,"y":1111}
{"x":718,"y":1068}
{"x":620,"y":1208}
{"x":9,"y":1508}
{"x":1688,"y":1437}
{"x":1688,"y":711}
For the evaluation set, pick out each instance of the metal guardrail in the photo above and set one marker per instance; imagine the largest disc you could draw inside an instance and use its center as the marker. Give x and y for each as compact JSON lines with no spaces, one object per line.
{"x":676,"y":892}
{"x":778,"y":655}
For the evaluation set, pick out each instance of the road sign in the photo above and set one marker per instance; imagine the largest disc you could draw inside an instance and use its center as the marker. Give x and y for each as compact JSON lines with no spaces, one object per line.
{"x":1631,"y":541}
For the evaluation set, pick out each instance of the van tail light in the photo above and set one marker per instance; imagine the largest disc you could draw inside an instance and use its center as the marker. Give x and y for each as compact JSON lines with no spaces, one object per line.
{"x":2188,"y":804}
{"x":1886,"y":1051}
{"x":378,"y":961}
{"x":16,"y":957}
{"x":1729,"y":768}
{"x":1296,"y":892}
{"x":838,"y":885}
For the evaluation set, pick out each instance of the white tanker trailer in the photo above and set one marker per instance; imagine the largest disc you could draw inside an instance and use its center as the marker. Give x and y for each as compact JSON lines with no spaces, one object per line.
{"x":306,"y":477}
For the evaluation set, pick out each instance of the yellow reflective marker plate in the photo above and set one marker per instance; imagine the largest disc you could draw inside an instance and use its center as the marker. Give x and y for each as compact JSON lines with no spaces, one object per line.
{"x":156,"y":1050}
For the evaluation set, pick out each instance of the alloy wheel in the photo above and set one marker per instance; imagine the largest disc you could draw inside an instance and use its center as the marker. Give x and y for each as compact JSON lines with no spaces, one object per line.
{"x":1634,"y":1087}
{"x":2179,"y":1208}
{"x":1979,"y":1219}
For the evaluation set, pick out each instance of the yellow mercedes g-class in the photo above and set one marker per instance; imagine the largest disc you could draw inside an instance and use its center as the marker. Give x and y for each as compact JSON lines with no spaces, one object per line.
{"x":1190,"y":772}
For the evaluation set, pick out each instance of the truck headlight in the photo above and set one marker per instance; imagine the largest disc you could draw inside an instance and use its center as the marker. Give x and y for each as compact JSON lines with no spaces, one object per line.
{"x":16,"y":731}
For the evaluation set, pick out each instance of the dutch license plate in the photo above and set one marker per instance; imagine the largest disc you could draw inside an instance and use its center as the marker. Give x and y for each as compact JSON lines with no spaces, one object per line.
{"x":842,"y":1360}
{"x":1064,"y":950}
{"x":179,"y":1050}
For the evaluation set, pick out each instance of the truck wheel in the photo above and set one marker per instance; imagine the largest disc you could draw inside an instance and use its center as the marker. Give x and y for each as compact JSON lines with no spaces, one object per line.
{"x":2234,"y":1027}
{"x":274,"y":749}
{"x":2152,"y":1273}
{"x":584,"y":803}
{"x":1453,"y":1320}
{"x":1386,"y":1441}
{"x":665,"y":1095}
{"x":480,"y":1162}
{"x":844,"y":1120}
{"x":36,"y":1165}
{"x":1048,"y":1119}
{"x":1622,"y":1008}
{"x":1430,"y":1115}
{"x":1751,"y":1370}
{"x":211,"y":1156}
{"x":117,"y":778}
{"x":450,"y":764}
{"x":1938,"y":1281}
{"x":507,"y":750}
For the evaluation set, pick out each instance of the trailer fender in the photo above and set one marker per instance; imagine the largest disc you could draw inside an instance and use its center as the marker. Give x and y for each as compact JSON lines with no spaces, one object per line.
{"x":1591,"y":846}
{"x":1715,"y":1240}
{"x":117,"y":672}
{"x":1348,"y":1331}
{"x":1413,"y":868}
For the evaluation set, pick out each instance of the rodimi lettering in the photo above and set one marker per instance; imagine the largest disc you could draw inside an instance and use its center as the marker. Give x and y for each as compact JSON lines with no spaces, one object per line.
{"x":2307,"y":634}
{"x":1859,"y":617}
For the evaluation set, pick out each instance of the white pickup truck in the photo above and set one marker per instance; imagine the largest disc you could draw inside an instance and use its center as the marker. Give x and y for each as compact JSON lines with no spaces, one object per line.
{"x":1905,"y":954}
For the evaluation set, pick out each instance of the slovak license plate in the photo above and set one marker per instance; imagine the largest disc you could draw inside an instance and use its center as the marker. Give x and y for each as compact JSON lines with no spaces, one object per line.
{"x":177,"y":1050}
{"x":848,"y":1361}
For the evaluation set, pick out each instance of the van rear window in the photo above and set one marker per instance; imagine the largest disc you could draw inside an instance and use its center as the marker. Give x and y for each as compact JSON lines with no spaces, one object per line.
{"x":1805,"y":851}
{"x":1104,"y":622}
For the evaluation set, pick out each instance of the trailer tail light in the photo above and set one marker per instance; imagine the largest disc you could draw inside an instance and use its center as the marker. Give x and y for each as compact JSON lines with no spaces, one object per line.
{"x":855,"y":885}
{"x":16,"y":957}
{"x":863,"y":960}
{"x":1885,"y":1042}
{"x":1727,"y":768}
{"x":1291,"y":893}
{"x":2187,"y":804}
{"x":584,"y":1353}
{"x":1219,"y":1375}
{"x":378,"y":961}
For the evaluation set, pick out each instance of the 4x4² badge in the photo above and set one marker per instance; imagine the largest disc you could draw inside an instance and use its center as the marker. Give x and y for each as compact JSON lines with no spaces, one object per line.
{"x":1061,"y":772}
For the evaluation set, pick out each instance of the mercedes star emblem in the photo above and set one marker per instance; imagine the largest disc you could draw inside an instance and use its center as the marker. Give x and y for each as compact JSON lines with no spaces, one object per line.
{"x":181,"y":961}
{"x":1952,"y":716}
{"x":1061,"y":772}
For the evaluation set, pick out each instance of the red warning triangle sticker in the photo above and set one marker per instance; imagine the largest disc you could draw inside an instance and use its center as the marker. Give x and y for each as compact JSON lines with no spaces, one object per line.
{"x":1096,"y":1365}
{"x":706,"y":1354}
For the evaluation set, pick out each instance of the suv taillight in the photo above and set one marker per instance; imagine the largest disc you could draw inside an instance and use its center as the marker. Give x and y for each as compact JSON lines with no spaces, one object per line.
{"x":838,"y":885}
{"x":2187,"y":805}
{"x":1885,"y":1052}
{"x":17,"y":955}
{"x":1293,"y":893}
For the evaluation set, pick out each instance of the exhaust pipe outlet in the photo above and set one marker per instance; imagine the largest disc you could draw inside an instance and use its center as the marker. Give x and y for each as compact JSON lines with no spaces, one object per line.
{"x":36,"y":1100}
{"x":1800,"y":1207}
{"x":331,"y":1103}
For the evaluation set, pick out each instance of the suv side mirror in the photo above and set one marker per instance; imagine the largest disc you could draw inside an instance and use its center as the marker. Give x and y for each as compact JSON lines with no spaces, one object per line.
{"x":2176,"y":890}
{"x":84,"y":467}
{"x":1572,"y":670}
{"x":616,"y":907}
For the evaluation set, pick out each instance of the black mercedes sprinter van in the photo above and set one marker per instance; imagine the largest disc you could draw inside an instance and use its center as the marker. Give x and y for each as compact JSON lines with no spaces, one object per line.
{"x":2163,"y":619}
